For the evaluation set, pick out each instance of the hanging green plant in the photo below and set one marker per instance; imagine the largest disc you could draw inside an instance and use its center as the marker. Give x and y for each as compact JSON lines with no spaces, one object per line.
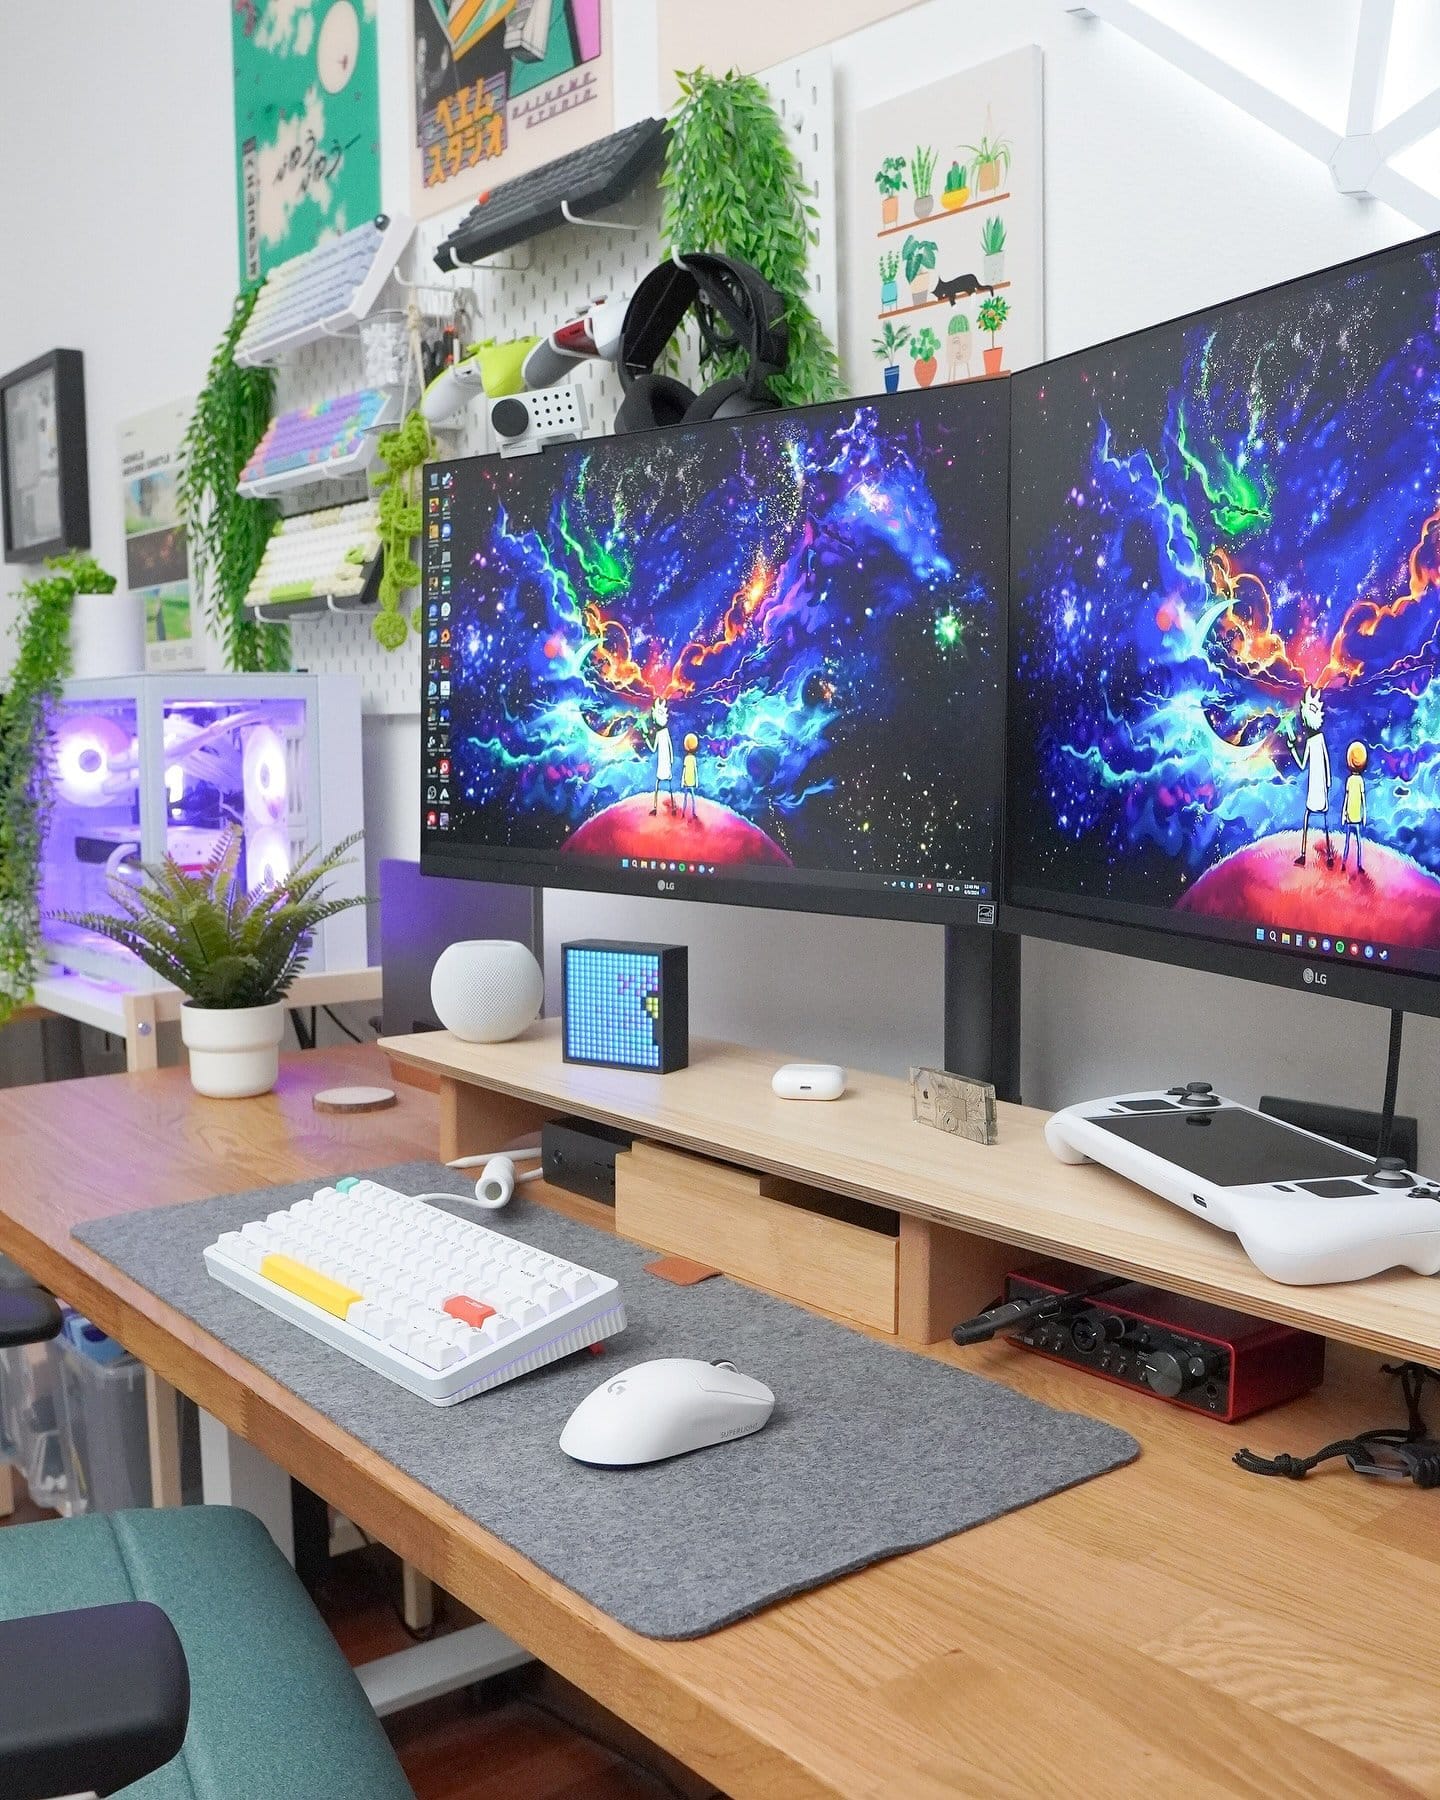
{"x":42,"y":661}
{"x":401,"y":453}
{"x":228,"y":533}
{"x":732,"y":184}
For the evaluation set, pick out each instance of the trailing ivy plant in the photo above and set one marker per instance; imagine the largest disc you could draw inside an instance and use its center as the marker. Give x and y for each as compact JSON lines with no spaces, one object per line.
{"x":42,"y":661}
{"x":228,"y":533}
{"x":401,"y":452}
{"x":732,"y":184}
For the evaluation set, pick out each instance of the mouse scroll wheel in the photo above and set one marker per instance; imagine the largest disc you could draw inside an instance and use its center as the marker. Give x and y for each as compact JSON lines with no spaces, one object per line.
{"x":722,"y":1363}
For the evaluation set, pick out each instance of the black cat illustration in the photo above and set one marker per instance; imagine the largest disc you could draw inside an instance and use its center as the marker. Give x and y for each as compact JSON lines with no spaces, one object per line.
{"x":959,"y":286}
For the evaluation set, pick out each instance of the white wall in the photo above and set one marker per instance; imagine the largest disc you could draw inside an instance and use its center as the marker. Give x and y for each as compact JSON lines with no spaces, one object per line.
{"x":118,"y":235}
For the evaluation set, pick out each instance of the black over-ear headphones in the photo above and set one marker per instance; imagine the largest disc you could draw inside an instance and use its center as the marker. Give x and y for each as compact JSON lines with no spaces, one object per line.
{"x":736,"y":307}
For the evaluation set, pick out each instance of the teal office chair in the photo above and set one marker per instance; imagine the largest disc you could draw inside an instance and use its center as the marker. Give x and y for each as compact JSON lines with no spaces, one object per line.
{"x":171,"y":1655}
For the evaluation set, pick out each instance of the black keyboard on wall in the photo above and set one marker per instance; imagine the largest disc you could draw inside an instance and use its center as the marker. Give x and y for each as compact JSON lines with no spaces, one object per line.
{"x":597,"y":175}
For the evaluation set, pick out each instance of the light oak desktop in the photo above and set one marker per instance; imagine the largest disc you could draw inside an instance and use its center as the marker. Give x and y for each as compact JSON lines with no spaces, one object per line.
{"x":1177,"y":1623}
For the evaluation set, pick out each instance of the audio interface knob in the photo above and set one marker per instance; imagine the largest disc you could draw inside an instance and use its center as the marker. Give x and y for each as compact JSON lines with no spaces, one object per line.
{"x":1170,"y":1372}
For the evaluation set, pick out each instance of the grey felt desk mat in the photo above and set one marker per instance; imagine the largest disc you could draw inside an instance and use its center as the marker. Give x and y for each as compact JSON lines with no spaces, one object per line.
{"x":871,"y":1449}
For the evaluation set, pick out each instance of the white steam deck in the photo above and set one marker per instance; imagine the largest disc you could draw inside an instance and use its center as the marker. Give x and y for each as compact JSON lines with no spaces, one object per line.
{"x":1305,"y":1210}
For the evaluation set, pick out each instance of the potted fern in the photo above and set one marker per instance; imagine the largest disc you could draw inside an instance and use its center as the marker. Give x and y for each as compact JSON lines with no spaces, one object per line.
{"x":922,"y":181}
{"x":992,"y":248}
{"x":919,"y":254}
{"x":887,"y":347}
{"x":232,"y":953}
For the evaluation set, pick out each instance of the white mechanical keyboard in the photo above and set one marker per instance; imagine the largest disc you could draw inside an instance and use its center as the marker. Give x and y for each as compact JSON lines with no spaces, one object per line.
{"x":442,"y":1306}
{"x":323,"y":291}
{"x":319,"y":554}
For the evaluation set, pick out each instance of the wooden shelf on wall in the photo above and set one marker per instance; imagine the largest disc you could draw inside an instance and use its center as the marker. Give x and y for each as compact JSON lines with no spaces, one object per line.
{"x":894,"y":312}
{"x":867,"y":1146}
{"x":941,"y":212}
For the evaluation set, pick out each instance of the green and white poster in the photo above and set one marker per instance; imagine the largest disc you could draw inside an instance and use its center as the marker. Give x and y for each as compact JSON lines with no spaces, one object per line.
{"x":307,"y":125}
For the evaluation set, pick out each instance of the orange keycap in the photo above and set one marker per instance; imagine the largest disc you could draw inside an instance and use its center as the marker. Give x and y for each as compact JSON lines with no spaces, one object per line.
{"x":468,"y":1311}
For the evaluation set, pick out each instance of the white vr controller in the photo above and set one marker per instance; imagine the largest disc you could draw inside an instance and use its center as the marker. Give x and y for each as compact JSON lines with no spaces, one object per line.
{"x":591,"y":336}
{"x":1339,"y":1216}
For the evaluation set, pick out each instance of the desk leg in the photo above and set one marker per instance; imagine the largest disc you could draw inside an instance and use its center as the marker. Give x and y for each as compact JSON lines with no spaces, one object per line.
{"x":233,"y":1473}
{"x":7,"y":1490}
{"x":162,"y":1419}
{"x":142,"y":1047}
{"x":472,"y":1119}
{"x":417,"y":1598}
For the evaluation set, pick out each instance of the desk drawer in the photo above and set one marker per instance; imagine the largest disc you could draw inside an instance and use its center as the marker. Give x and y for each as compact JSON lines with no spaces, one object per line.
{"x":839,"y":1255}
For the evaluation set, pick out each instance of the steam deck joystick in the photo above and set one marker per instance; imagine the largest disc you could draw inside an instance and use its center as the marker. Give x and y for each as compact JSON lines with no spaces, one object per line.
{"x":1389,"y":1172}
{"x":1196,"y":1093}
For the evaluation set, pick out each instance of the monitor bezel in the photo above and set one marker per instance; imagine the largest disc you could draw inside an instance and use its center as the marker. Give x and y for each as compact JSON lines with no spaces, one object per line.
{"x":1065,"y":919}
{"x":797,"y":894}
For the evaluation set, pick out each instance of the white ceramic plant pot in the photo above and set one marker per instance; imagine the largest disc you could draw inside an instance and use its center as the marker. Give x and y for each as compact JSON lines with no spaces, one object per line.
{"x":107,"y":635}
{"x":486,"y":989}
{"x":234,"y":1051}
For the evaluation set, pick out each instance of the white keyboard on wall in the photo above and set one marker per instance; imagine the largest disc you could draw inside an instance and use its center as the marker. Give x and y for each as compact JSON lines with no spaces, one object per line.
{"x":323,"y":291}
{"x":443,"y":1306}
{"x":328,"y":553}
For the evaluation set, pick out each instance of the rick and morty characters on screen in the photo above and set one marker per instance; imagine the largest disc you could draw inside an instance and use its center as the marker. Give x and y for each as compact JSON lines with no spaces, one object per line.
{"x":1312,"y":755}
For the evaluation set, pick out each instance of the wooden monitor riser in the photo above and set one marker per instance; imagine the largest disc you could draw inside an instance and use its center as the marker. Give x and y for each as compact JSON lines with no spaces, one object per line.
{"x":964,"y":1209}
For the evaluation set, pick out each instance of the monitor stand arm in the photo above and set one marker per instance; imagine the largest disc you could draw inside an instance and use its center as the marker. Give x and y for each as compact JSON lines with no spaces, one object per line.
{"x":1392,"y":1083}
{"x":982,"y":1007}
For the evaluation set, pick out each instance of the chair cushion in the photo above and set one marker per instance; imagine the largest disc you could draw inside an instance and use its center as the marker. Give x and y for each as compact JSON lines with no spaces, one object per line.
{"x":275,"y":1710}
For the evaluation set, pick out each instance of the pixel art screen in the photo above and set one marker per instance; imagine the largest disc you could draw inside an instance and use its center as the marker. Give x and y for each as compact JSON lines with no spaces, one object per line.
{"x":1225,"y":622}
{"x":612,"y":1006}
{"x":766,"y":649}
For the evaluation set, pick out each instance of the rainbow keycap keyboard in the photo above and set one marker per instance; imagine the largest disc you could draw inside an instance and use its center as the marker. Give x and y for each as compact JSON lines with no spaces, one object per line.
{"x":441,"y":1305}
{"x":313,"y":442}
{"x":315,"y":555}
{"x":323,"y":292}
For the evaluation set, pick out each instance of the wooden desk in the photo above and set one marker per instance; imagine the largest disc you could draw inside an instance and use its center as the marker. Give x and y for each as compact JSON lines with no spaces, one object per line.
{"x":1176,"y":1624}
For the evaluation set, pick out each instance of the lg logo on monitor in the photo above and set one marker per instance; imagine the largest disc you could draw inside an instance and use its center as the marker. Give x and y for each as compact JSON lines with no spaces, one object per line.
{"x":665,"y":887}
{"x":1316,"y":978}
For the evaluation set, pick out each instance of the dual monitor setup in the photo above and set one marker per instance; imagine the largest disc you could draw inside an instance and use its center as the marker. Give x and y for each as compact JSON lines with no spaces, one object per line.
{"x":1137,"y":648}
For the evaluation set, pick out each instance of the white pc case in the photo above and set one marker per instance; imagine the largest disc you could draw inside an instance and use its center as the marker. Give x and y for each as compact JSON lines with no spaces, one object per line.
{"x":144,"y":766}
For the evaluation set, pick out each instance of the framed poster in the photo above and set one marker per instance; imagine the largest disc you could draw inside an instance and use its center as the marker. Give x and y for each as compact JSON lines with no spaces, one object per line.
{"x":44,"y":468}
{"x":502,"y":86}
{"x":157,"y":558}
{"x":307,"y":125}
{"x":944,"y":216}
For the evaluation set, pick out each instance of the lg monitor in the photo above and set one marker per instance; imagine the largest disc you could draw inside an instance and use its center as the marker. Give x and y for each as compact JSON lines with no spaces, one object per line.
{"x":755,"y":660}
{"x":1224,"y":732}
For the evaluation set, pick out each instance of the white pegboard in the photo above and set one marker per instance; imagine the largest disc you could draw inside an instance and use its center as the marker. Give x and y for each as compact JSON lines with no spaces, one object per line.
{"x":565,"y":269}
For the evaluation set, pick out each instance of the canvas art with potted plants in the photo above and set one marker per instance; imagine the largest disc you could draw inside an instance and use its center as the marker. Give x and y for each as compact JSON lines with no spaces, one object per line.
{"x":232,"y":953}
{"x":957,"y":165}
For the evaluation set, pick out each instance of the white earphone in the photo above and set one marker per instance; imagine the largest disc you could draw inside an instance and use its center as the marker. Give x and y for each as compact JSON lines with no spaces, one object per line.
{"x":497,"y":1177}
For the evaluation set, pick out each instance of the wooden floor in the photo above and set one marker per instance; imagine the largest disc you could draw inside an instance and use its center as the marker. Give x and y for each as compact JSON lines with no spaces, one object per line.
{"x":511,"y":1740}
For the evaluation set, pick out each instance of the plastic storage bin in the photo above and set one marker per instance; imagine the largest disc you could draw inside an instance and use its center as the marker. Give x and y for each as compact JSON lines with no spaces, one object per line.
{"x":103,"y":1435}
{"x":32,"y":1423}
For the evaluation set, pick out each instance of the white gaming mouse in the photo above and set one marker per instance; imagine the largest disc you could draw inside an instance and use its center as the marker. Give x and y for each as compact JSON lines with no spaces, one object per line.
{"x":665,"y":1408}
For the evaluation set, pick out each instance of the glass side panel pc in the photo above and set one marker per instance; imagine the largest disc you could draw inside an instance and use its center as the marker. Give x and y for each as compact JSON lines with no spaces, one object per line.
{"x":758,"y":659}
{"x":1225,"y":636}
{"x":157,"y":765}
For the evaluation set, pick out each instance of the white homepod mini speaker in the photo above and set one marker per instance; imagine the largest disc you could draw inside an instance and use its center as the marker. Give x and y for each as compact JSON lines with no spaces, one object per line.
{"x":486,"y":989}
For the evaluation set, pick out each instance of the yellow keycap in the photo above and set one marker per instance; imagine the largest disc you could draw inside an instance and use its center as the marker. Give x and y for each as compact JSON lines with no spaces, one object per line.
{"x":309,"y":1284}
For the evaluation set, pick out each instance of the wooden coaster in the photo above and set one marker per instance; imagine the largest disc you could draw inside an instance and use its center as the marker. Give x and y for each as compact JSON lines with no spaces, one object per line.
{"x":353,"y":1100}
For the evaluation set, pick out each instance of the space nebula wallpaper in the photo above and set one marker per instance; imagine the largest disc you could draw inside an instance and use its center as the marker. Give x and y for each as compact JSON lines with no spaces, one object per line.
{"x":1225,"y":620}
{"x":770,"y":647}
